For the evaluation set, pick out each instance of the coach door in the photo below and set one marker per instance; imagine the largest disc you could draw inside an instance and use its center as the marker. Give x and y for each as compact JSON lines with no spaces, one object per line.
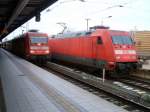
{"x":98,"y":51}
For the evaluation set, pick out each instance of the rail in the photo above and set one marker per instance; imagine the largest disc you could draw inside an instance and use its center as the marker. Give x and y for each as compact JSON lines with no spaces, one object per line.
{"x":116,"y":88}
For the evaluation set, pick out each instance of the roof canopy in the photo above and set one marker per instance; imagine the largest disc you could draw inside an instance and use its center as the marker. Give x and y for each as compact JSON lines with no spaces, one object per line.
{"x":14,"y":13}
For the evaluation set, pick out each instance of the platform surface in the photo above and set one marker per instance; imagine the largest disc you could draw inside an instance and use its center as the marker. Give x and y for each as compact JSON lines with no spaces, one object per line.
{"x":146,"y":66}
{"x":28,"y":88}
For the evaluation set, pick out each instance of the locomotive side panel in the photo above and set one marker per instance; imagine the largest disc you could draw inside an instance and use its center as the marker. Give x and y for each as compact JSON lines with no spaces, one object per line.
{"x":103,"y":49}
{"x":81,"y":50}
{"x":68,"y":49}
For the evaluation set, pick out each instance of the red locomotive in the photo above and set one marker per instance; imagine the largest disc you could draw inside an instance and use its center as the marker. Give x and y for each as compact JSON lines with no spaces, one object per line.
{"x":99,"y":48}
{"x":31,"y":45}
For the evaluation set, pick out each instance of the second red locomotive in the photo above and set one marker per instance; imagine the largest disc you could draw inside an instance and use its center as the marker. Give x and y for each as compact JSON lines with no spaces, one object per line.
{"x":31,"y":45}
{"x":100,"y":48}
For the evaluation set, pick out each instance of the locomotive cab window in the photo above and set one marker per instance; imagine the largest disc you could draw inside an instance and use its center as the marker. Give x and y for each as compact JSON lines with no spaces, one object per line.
{"x":122,"y":40}
{"x":99,"y":40}
{"x":35,"y":40}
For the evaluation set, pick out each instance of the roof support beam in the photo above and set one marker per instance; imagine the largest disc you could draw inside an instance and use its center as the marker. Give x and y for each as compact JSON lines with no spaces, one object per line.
{"x":14,"y":4}
{"x":16,"y":12}
{"x":20,"y":6}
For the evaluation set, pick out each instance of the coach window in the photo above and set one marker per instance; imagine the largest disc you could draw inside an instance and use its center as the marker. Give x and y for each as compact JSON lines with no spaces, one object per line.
{"x":99,"y":40}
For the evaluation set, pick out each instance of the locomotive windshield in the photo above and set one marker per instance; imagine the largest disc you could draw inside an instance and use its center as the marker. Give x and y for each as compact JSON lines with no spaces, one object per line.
{"x":39,"y":40}
{"x":122,"y":40}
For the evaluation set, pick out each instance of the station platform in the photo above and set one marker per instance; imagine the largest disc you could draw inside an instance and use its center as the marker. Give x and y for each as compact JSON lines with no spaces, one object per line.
{"x":29,"y":88}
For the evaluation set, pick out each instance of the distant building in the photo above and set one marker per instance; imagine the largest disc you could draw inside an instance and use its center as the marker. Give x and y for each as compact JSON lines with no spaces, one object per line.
{"x":142,"y":39}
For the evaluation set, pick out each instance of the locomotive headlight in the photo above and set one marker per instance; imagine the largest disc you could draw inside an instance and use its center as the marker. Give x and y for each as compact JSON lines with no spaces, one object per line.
{"x":47,"y":51}
{"x":133,"y":57}
{"x":118,"y":57}
{"x":31,"y":51}
{"x":118,"y":51}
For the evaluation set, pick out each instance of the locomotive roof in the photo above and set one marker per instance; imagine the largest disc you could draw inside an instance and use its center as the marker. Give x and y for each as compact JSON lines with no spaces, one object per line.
{"x":73,"y":34}
{"x":22,"y":35}
{"x":83,"y":33}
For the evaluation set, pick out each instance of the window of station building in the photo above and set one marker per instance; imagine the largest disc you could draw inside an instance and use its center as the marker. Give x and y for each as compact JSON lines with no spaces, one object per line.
{"x":99,"y":40}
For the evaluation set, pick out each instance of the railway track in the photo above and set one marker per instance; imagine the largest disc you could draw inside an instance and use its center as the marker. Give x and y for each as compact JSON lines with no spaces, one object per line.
{"x":125,"y":101}
{"x":146,"y":81}
{"x":139,"y":83}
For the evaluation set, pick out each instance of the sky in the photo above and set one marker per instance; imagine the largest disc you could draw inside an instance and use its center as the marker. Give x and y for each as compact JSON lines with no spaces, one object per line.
{"x":132,"y":15}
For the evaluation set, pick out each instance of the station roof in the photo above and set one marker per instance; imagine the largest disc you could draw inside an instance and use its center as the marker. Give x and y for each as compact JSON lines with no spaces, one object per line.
{"x":14,"y":13}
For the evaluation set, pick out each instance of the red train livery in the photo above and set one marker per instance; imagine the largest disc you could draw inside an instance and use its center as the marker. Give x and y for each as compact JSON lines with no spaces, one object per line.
{"x":31,"y":45}
{"x":99,"y":48}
